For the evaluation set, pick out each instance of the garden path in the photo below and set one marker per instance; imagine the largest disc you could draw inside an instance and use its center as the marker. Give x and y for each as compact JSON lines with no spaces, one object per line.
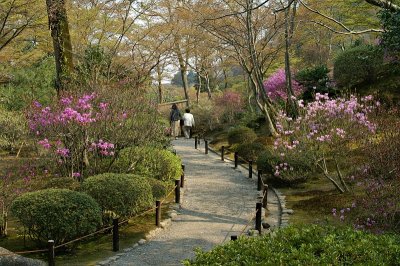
{"x":218,"y":201}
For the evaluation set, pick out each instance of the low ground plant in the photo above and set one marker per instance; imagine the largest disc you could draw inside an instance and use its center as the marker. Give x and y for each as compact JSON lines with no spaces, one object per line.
{"x":241,"y":134}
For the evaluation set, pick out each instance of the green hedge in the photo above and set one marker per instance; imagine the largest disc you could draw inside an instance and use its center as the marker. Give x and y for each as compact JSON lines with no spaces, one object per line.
{"x":159,"y":188}
{"x":120,"y":195}
{"x":306,"y":245}
{"x":56,"y":214}
{"x":14,"y":128}
{"x":250,"y":151}
{"x":152,"y":162}
{"x":241,"y":134}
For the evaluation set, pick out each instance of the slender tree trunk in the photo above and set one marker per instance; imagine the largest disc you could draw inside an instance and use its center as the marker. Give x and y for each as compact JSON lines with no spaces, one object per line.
{"x":199,"y":83}
{"x":58,"y":24}
{"x":207,"y":80}
{"x":159,"y":85}
{"x":183,"y":71}
{"x":291,"y":106}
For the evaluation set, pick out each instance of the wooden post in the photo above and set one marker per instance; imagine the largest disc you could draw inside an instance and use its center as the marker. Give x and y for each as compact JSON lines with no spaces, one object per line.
{"x":258,"y":216}
{"x":233,"y":238}
{"x":174,"y":152}
{"x":259,"y":181}
{"x":206,"y":146}
{"x":250,"y":169}
{"x":183,"y":175}
{"x":265,"y":194}
{"x":177,"y":191}
{"x":236,"y":159}
{"x":158,"y":213}
{"x":222,"y":153}
{"x":51,"y":254}
{"x":195,"y":142}
{"x":115,"y":235}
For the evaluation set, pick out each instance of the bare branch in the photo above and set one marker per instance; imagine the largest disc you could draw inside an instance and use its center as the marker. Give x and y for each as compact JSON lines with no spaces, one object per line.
{"x":384,"y":4}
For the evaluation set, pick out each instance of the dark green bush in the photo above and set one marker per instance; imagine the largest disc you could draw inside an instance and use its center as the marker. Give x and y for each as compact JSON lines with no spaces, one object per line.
{"x":315,"y":79}
{"x":268,"y":161}
{"x":57,"y":214}
{"x":250,"y":151}
{"x":158,"y":188}
{"x":306,"y":245}
{"x":357,"y":65}
{"x":120,"y":195}
{"x":148,"y":161}
{"x":239,"y":135}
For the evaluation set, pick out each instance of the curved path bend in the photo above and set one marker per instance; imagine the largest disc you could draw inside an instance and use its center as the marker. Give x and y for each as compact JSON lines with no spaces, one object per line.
{"x":218,"y":201}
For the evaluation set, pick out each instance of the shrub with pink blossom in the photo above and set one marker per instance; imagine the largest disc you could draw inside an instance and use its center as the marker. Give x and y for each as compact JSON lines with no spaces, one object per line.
{"x":84,"y":132}
{"x":275,"y":86}
{"x":326,"y":132}
{"x":228,"y":105}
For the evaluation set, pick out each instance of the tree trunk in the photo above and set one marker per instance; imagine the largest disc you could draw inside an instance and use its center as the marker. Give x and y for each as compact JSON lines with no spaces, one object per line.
{"x":159,"y":85}
{"x":58,"y":24}
{"x":207,"y":79}
{"x":291,"y":106}
{"x":183,"y":70}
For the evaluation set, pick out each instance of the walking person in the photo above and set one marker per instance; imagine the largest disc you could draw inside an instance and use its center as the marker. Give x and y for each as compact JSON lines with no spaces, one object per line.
{"x":188,"y":123}
{"x":174,"y":120}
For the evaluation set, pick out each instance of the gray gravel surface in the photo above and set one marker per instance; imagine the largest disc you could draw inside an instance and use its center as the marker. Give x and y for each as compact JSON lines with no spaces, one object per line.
{"x":218,"y":201}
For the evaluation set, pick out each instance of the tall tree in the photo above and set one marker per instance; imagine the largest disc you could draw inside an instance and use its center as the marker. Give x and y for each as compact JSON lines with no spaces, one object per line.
{"x":58,"y":24}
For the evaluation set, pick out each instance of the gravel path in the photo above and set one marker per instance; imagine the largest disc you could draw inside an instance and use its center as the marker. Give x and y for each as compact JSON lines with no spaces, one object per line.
{"x":218,"y":201}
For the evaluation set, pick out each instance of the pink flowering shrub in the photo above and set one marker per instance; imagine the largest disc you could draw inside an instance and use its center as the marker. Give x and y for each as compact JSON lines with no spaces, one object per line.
{"x":325,"y":133}
{"x":275,"y":86}
{"x":83,"y":133}
{"x":228,"y":105}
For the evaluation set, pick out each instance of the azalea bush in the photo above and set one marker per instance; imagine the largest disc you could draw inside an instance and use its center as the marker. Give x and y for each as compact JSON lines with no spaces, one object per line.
{"x":229,"y":105}
{"x":84,"y":132}
{"x":275,"y":86}
{"x":327,"y":131}
{"x":305,"y":245}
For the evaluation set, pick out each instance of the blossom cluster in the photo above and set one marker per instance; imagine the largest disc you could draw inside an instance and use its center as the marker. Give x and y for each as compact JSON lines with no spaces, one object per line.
{"x":103,"y":147}
{"x":275,"y":86}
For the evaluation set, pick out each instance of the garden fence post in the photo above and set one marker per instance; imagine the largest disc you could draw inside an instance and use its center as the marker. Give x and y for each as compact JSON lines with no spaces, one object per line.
{"x":236,"y":159}
{"x":51,"y":253}
{"x":183,"y":175}
{"x":195,"y":143}
{"x":174,"y":152}
{"x":158,"y":213}
{"x":177,"y":191}
{"x":206,"y":146}
{"x":250,"y":169}
{"x":258,"y":216}
{"x":265,"y":196}
{"x":222,"y":153}
{"x":234,"y":238}
{"x":115,"y":235}
{"x":259,"y":183}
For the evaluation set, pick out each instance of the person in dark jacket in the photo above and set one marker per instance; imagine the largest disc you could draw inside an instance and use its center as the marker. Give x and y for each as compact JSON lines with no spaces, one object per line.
{"x":174,"y":119}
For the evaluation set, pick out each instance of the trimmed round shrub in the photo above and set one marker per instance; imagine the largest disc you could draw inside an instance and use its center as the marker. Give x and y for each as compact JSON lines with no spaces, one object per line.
{"x":57,"y":214}
{"x":250,"y":151}
{"x":152,"y":162}
{"x":306,"y":245}
{"x":357,"y":65}
{"x":238,"y":135}
{"x":119,"y":195}
{"x":158,"y":188}
{"x":269,"y":162}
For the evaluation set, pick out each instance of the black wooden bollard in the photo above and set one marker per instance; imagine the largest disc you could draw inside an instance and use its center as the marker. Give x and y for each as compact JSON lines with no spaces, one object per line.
{"x":158,"y":213}
{"x":233,"y":238}
{"x":250,"y":169}
{"x":222,"y":153}
{"x":174,"y":152}
{"x":258,"y":216}
{"x":265,"y":194}
{"x":115,"y":235}
{"x":206,"y":146}
{"x":259,"y":181}
{"x":183,"y":175}
{"x":236,"y":156}
{"x":195,"y":143}
{"x":51,"y":254}
{"x":177,"y":191}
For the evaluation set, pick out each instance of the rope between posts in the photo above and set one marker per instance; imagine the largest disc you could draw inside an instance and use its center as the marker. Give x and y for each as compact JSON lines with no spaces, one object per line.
{"x":168,"y":194}
{"x":248,"y":223}
{"x":23,"y":252}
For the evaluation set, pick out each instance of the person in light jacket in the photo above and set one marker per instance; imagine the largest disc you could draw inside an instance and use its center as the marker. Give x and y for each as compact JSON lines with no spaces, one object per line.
{"x":188,"y":123}
{"x":174,"y":119}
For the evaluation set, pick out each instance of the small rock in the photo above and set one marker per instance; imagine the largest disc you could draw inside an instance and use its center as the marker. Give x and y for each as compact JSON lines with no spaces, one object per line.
{"x":142,"y":241}
{"x":265,"y":225}
{"x":135,"y":245}
{"x":288,"y":211}
{"x":127,"y":249}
